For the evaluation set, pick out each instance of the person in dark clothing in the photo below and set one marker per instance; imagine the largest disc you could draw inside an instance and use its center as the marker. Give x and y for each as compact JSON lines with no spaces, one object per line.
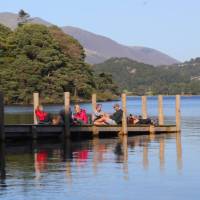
{"x":114,"y":119}
{"x":62,"y":115}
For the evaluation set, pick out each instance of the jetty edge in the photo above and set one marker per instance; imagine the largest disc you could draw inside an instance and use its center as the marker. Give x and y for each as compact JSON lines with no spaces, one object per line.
{"x":35,"y":131}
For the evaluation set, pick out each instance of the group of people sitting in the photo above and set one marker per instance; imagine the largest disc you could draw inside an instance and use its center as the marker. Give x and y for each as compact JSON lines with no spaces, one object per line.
{"x":80,"y":117}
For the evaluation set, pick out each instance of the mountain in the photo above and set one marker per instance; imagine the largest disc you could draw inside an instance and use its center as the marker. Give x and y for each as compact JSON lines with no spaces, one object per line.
{"x":11,"y":20}
{"x":141,"y":78}
{"x":99,"y":48}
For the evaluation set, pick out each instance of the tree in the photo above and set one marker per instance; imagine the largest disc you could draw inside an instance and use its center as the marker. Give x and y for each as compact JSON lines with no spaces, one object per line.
{"x":4,"y":34}
{"x":23,"y":17}
{"x":69,"y":45}
{"x":36,"y":60}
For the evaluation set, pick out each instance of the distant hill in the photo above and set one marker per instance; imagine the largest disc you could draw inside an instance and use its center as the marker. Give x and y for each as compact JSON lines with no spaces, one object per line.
{"x":99,"y":48}
{"x":11,"y":20}
{"x":141,"y":78}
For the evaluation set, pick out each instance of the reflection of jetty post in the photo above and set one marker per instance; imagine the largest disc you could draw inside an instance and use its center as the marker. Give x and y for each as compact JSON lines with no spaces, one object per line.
{"x":2,"y":133}
{"x":95,"y":144}
{"x":179,"y":151}
{"x":144,"y":107}
{"x":67,"y":114}
{"x":145,"y":154}
{"x":35,"y":105}
{"x":178,"y":113}
{"x":2,"y":162}
{"x":160,"y":110}
{"x":125,"y":155}
{"x":162,"y":153}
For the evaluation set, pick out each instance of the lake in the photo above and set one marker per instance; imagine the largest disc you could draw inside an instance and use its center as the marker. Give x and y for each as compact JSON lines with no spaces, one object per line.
{"x":157,"y":167}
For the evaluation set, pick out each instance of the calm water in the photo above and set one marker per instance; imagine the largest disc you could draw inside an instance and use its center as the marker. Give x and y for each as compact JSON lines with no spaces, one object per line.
{"x":140,"y":167}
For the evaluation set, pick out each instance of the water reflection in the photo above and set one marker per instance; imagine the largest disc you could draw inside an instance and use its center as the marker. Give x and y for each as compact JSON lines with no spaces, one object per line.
{"x":162,"y":153}
{"x":179,"y":151}
{"x":2,"y":165}
{"x":40,"y":163}
{"x":145,"y":154}
{"x":72,"y":161}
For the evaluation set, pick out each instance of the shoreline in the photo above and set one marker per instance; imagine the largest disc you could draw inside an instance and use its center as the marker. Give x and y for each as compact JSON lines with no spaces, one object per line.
{"x":89,"y":101}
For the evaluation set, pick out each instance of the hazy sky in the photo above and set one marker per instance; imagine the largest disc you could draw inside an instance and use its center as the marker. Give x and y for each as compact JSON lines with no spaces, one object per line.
{"x":171,"y":26}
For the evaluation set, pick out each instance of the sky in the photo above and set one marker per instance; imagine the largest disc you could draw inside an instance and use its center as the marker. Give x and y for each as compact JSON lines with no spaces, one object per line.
{"x":171,"y":26}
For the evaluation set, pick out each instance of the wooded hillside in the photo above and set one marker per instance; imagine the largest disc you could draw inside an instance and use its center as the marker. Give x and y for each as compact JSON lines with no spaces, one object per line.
{"x":44,"y":59}
{"x":141,"y":78}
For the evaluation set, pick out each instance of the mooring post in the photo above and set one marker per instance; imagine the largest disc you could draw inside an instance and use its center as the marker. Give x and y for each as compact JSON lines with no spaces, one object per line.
{"x":94,"y":102}
{"x":144,"y":107}
{"x":160,"y":110}
{"x":2,"y":133}
{"x":35,"y":105}
{"x":178,"y":114}
{"x":124,"y":118}
{"x":67,"y":114}
{"x":95,"y":129}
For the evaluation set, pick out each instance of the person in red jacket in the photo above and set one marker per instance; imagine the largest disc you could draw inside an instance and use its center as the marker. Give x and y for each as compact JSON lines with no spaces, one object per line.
{"x":79,"y":117}
{"x":43,"y":117}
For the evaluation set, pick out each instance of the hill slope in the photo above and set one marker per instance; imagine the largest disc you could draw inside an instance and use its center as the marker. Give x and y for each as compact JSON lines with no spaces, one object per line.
{"x":99,"y":48}
{"x":141,"y":78}
{"x":11,"y":20}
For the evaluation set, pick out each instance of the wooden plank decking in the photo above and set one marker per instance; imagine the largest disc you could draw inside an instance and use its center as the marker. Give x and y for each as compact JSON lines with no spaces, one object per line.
{"x":37,"y":131}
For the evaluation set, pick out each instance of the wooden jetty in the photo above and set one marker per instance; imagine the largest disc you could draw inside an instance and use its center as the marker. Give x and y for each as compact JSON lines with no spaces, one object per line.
{"x":35,"y":130}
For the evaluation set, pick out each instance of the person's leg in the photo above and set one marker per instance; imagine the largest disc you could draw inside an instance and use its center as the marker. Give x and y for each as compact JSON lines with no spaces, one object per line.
{"x":110,"y":121}
{"x":100,"y":121}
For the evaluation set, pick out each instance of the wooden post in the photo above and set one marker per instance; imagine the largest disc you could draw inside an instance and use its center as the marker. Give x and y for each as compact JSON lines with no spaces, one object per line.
{"x":160,"y":110}
{"x":144,"y":107}
{"x":67,"y":114}
{"x":2,"y":133}
{"x":124,"y":118}
{"x":35,"y":105}
{"x":94,"y":102}
{"x":152,"y":129}
{"x":95,"y":129}
{"x":178,"y":113}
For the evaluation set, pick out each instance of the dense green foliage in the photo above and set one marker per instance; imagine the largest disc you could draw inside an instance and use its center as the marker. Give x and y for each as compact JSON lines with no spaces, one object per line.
{"x":140,"y":78}
{"x":37,"y":58}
